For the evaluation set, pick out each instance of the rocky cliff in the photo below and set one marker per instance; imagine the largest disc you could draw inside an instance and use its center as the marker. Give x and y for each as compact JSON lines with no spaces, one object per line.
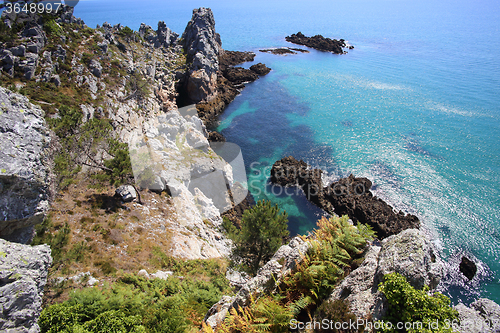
{"x":25,"y":182}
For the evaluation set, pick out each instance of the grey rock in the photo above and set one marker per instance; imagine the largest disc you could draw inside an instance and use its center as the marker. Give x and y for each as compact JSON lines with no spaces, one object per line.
{"x":25,"y":181}
{"x":161,"y":275}
{"x":19,"y":51}
{"x":483,"y":316}
{"x":104,"y":46}
{"x":60,"y":53}
{"x":126,"y":192}
{"x":408,"y":253}
{"x":237,"y":279}
{"x":7,"y":57}
{"x":88,"y":112}
{"x":203,"y":46}
{"x":95,"y":68}
{"x":165,"y":36}
{"x":29,"y":65}
{"x":56,"y":80}
{"x":23,"y":275}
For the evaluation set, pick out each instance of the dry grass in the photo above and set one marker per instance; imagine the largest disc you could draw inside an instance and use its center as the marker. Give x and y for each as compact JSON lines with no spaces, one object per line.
{"x":108,"y":237}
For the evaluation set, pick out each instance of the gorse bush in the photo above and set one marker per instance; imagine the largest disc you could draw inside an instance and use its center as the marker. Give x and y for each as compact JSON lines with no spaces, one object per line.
{"x":410,"y":305}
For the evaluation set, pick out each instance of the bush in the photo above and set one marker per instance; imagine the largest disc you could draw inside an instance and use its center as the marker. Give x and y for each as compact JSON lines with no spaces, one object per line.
{"x":263,"y":230}
{"x":336,"y":312}
{"x":410,"y":305}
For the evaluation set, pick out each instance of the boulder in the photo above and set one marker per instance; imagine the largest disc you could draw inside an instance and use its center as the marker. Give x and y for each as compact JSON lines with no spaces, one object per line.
{"x":95,"y":68}
{"x":23,"y":275}
{"x":203,"y":46}
{"x":126,"y":192}
{"x":25,"y":172}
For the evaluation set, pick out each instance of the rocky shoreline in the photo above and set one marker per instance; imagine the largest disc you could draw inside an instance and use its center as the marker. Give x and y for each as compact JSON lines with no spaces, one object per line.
{"x":348,"y":196}
{"x":320,"y":43}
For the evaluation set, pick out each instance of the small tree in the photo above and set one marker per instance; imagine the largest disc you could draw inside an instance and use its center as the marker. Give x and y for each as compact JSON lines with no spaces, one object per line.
{"x":263,"y":230}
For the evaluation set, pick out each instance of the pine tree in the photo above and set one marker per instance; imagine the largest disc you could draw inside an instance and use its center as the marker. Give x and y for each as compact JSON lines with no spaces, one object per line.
{"x":263,"y":230}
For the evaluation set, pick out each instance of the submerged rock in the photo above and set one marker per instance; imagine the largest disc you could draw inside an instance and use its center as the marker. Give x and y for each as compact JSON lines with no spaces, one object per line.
{"x":23,"y":275}
{"x":25,"y":182}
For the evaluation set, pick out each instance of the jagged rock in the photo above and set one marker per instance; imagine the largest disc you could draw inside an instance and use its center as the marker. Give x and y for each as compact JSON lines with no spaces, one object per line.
{"x":88,"y":112}
{"x":350,"y":196}
{"x":215,"y":136}
{"x":468,"y":268}
{"x":126,"y":192}
{"x":260,"y":69}
{"x":165,"y":36}
{"x":23,"y":275}
{"x":280,"y":265}
{"x":233,"y":58}
{"x":25,"y":183}
{"x":29,"y":65}
{"x":483,"y":316}
{"x":318,"y":42}
{"x":236,"y":279}
{"x":238,"y":75}
{"x":203,"y":46}
{"x":19,"y":51}
{"x":409,"y":253}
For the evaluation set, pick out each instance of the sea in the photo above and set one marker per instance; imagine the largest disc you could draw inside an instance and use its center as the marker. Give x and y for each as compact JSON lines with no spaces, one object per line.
{"x":415,"y":107}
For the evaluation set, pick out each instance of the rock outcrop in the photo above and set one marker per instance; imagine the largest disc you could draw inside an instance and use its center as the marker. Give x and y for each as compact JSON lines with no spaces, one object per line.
{"x":203,"y":47}
{"x":319,"y":42}
{"x":350,"y":196}
{"x":468,"y":268}
{"x":229,"y":81}
{"x":409,"y":253}
{"x":25,"y":181}
{"x":483,"y":316}
{"x":23,"y":275}
{"x":267,"y":278}
{"x":283,"y":50}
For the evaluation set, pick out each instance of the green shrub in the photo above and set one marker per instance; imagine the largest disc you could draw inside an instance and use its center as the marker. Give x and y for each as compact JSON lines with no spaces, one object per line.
{"x":263,"y":230}
{"x":410,"y":305}
{"x":336,"y":312}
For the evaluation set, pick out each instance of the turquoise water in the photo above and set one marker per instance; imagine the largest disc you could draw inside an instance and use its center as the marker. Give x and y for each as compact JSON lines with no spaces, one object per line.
{"x":415,"y":107}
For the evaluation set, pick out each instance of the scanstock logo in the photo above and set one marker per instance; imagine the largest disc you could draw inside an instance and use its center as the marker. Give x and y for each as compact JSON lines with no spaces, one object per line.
{"x":170,"y":153}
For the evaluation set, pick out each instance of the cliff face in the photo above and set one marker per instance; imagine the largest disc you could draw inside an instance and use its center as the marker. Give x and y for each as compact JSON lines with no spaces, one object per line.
{"x":203,"y":47}
{"x":25,"y":184}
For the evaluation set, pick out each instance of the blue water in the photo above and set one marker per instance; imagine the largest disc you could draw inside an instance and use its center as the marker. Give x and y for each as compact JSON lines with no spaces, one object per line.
{"x":415,"y":107}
